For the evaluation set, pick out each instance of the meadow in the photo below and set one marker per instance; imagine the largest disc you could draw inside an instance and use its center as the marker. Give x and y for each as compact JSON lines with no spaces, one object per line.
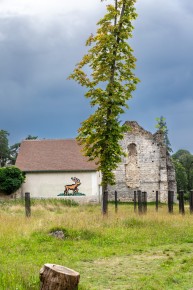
{"x":121,"y":251}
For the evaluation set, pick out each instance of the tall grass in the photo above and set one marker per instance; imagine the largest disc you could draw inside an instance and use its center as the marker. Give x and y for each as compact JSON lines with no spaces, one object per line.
{"x":121,"y":251}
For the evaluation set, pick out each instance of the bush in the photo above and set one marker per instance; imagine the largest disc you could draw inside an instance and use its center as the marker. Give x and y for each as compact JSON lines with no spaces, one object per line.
{"x":11,"y":179}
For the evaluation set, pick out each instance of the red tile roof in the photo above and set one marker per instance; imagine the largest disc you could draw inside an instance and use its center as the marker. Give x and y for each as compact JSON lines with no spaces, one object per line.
{"x":52,"y":155}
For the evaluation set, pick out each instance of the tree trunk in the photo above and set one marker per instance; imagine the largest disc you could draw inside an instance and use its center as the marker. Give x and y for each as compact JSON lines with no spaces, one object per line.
{"x":56,"y":277}
{"x":104,"y":200}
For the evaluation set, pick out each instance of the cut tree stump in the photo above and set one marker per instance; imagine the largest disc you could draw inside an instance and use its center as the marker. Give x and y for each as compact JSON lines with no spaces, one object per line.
{"x":56,"y":277}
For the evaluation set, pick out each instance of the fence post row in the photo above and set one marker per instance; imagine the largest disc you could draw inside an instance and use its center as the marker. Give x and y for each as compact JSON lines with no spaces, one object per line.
{"x":140,"y":199}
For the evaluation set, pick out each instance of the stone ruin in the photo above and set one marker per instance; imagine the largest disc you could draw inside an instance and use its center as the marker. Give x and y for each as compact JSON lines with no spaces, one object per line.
{"x":146,"y":166}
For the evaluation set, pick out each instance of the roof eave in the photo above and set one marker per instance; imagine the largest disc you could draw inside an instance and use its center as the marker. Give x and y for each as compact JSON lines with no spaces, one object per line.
{"x":60,"y":171}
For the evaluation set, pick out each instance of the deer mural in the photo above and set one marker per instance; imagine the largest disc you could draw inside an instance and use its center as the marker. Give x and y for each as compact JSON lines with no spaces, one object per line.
{"x":73,"y":187}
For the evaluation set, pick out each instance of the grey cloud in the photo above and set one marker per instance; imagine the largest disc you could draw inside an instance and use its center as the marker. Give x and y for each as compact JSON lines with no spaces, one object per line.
{"x":35,"y":94}
{"x":163,"y":46}
{"x":35,"y":61}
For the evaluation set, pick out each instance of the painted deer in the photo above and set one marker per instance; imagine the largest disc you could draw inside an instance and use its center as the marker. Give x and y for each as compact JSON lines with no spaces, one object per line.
{"x":73,"y":187}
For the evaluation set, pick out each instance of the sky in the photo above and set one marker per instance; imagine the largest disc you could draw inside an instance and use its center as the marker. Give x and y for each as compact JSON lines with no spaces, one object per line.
{"x":41,"y":41}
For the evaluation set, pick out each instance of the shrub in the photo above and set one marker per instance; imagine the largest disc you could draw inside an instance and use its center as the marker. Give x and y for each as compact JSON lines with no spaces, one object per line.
{"x":11,"y":178}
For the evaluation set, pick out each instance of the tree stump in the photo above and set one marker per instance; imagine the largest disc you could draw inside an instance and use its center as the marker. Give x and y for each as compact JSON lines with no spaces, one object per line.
{"x":56,"y":277}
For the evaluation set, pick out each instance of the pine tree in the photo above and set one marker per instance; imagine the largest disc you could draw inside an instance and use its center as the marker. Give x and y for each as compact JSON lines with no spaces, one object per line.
{"x":162,"y":126}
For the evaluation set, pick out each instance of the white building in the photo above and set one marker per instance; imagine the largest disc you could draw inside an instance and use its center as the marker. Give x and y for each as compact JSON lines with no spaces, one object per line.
{"x":50,"y":165}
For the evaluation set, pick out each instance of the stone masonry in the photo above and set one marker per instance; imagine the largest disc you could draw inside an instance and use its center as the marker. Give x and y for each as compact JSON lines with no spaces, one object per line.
{"x":146,"y":166}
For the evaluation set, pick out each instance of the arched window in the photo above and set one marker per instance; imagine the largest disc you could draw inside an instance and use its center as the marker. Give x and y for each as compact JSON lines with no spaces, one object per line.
{"x":131,"y":168}
{"x":132,"y":149}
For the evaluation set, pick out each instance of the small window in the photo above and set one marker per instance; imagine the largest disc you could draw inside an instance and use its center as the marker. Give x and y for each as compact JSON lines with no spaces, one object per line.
{"x":132,"y":150}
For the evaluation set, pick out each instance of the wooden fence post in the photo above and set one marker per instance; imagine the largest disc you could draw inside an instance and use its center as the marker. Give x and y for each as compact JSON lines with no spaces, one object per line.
{"x":157,"y":200}
{"x":135,"y":201}
{"x":27,"y":204}
{"x":170,"y":201}
{"x":181,"y":202}
{"x":58,"y":277}
{"x":139,"y":201}
{"x":144,"y":202}
{"x":116,"y":202}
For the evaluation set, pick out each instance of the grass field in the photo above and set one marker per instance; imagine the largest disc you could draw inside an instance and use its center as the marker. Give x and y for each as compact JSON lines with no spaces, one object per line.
{"x":121,"y":251}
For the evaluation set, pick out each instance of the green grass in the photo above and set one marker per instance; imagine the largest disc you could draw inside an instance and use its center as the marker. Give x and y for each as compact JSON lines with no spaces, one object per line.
{"x":121,"y":251}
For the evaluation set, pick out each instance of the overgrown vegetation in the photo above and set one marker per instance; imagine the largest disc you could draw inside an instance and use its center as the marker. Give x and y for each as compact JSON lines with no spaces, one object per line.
{"x":121,"y":251}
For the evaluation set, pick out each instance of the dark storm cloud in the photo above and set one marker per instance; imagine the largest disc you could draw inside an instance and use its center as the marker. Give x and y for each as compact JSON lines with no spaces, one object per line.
{"x":37,"y":56}
{"x":35,"y":96}
{"x":163,"y":46}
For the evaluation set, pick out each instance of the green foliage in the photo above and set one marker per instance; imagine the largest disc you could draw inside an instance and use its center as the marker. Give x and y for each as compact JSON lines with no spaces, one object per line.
{"x":4,"y":147}
{"x":185,"y":158}
{"x":11,"y":178}
{"x":162,"y":126}
{"x":109,"y":85}
{"x":30,"y":137}
{"x":181,"y":176}
{"x":180,"y":154}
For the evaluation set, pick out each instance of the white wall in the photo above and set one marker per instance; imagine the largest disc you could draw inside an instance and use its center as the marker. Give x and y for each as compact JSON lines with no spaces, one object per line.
{"x":49,"y":185}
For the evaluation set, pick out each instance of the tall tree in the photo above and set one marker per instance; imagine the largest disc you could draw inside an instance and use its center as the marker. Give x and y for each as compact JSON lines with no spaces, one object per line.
{"x":4,"y":147}
{"x":109,"y":84}
{"x":161,"y":125}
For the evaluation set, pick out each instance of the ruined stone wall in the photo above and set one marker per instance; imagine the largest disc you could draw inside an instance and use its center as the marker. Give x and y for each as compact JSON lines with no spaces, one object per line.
{"x":145,"y":166}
